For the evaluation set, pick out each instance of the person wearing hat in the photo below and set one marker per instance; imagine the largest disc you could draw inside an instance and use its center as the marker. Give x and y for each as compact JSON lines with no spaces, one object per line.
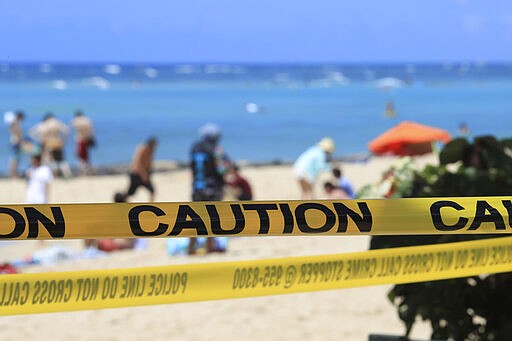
{"x":209,"y":164}
{"x":310,"y":163}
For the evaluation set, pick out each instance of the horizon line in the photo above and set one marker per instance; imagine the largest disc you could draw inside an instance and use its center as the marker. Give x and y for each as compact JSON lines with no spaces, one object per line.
{"x":347,"y":63}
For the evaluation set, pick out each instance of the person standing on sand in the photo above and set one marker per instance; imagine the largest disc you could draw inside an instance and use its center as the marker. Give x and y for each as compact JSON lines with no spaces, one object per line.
{"x":16,"y":140}
{"x":140,"y":169}
{"x":310,"y":163}
{"x":84,"y":137}
{"x":209,"y":165}
{"x":51,"y":134}
{"x":39,"y":176}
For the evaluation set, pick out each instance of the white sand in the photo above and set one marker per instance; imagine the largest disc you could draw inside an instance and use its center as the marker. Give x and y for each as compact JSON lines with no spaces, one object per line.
{"x":350,"y":314}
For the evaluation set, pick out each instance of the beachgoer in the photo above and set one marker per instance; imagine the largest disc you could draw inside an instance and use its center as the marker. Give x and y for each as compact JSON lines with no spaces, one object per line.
{"x":344,"y":183}
{"x":464,"y":130}
{"x":240,"y":187}
{"x":84,"y":137}
{"x":390,"y":109}
{"x":140,"y":170}
{"x":16,"y":139}
{"x":208,"y":164}
{"x":39,"y":176}
{"x":334,"y":192}
{"x":310,"y":163}
{"x":52,"y":134}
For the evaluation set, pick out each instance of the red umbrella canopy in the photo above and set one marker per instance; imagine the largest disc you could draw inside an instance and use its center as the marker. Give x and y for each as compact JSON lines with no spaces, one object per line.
{"x":408,"y":138}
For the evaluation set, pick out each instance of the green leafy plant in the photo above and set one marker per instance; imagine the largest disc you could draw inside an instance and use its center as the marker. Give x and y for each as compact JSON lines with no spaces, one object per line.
{"x":474,"y":308}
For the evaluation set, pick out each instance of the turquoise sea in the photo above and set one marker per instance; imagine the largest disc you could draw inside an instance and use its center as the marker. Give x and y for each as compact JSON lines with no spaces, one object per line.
{"x":267,"y":112}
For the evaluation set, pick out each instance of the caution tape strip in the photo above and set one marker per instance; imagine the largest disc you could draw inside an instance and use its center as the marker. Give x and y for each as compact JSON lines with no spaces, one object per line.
{"x":251,"y":218}
{"x":82,"y":290}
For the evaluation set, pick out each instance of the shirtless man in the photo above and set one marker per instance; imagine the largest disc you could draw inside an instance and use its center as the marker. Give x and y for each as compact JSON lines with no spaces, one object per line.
{"x":140,"y":170}
{"x":51,"y":134}
{"x":84,"y":137}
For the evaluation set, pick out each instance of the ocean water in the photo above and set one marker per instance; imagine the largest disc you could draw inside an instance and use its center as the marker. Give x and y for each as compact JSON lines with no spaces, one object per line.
{"x":266,"y":112}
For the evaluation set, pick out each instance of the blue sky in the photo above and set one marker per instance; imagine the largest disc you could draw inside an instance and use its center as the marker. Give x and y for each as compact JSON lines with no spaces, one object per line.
{"x":255,"y":31}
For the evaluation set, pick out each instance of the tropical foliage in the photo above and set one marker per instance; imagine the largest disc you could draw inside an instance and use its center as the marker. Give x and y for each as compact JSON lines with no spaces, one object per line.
{"x":474,"y":308}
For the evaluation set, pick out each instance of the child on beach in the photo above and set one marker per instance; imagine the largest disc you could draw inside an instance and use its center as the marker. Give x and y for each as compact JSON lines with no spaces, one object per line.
{"x":239,"y":186}
{"x":343,"y":183}
{"x":39,"y":176}
{"x":334,"y":192}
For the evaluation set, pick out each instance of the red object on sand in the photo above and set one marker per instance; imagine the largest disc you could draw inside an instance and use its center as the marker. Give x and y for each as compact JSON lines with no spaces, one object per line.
{"x":408,"y":138}
{"x":6,"y":269}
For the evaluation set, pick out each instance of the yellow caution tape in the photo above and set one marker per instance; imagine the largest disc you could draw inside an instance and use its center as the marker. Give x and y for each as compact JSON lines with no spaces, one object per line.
{"x":67,"y":291}
{"x":373,"y":217}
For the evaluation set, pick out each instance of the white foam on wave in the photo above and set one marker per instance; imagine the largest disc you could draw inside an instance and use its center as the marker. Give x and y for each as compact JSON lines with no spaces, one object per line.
{"x":339,"y":78}
{"x":334,"y":78}
{"x":98,"y":82}
{"x":60,"y":84}
{"x":112,"y":69}
{"x":387,"y":83}
{"x":252,"y":108}
{"x":151,"y":72}
{"x":217,"y":68}
{"x":185,"y":69}
{"x":45,"y":68}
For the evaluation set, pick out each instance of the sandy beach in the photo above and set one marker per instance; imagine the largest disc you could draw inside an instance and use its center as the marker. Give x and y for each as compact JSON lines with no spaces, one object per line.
{"x":350,"y":314}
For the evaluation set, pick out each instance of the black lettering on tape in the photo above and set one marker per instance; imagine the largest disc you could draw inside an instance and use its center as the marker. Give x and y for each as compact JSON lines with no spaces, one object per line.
{"x":238,"y":217}
{"x":262,"y":214}
{"x":14,"y":293}
{"x":87,"y":289}
{"x":437,"y":219}
{"x":288,"y":222}
{"x":19,"y":223}
{"x":56,"y":228}
{"x":461,"y":259}
{"x":363,"y":222}
{"x":444,"y":260}
{"x":300,"y":215}
{"x":133,"y":286}
{"x":133,"y":218}
{"x":478,"y":257}
{"x":508,"y":205}
{"x":390,"y":266}
{"x":187,"y":218}
{"x":482,"y":207}
{"x":109,"y":289}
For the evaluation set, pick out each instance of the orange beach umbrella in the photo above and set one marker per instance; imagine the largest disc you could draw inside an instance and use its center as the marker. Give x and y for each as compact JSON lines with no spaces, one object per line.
{"x":408,"y":138}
